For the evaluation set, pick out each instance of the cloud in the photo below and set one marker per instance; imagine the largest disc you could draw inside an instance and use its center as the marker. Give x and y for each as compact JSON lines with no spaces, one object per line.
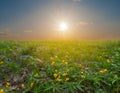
{"x":77,"y":0}
{"x":85,"y":23}
{"x":7,"y":30}
{"x":3,"y":33}
{"x":28,"y":31}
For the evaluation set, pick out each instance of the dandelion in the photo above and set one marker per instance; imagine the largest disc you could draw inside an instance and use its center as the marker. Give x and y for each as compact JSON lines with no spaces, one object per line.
{"x":64,"y":74}
{"x":108,"y":60}
{"x":55,"y":75}
{"x":2,"y":91}
{"x":52,"y":63}
{"x":51,"y":58}
{"x":63,"y":60}
{"x":67,"y":79}
{"x":23,"y":85}
{"x":103,"y":70}
{"x":66,"y":63}
{"x":31,"y":84}
{"x":58,"y":79}
{"x":56,"y":56}
{"x":36,"y":75}
{"x":7,"y":84}
{"x":1,"y":62}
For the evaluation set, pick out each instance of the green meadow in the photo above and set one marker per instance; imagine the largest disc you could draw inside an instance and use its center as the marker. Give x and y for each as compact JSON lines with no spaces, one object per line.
{"x":59,"y":66}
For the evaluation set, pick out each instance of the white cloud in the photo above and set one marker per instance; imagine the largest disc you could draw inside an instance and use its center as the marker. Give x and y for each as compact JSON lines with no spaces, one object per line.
{"x":3,"y":33}
{"x":85,"y":23}
{"x":77,"y":0}
{"x":28,"y":31}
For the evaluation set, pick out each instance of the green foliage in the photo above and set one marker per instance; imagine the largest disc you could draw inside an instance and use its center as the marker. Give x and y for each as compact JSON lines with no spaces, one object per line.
{"x":60,"y":66}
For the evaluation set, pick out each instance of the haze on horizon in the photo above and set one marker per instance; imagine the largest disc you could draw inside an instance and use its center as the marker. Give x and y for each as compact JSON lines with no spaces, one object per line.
{"x":40,"y":19}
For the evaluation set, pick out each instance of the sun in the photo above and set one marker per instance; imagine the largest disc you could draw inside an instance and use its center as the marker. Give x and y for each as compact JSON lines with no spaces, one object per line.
{"x":63,"y":26}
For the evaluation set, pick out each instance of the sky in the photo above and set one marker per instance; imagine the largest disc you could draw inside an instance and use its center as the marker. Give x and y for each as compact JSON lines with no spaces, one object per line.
{"x":40,"y":19}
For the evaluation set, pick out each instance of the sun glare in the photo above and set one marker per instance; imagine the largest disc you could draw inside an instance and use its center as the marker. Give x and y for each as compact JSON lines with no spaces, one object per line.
{"x":63,"y":26}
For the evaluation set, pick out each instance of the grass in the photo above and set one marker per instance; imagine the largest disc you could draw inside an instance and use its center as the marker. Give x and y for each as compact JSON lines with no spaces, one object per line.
{"x":59,"y":66}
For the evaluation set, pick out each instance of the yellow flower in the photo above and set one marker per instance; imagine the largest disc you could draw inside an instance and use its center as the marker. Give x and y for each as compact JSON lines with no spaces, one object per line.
{"x":66,"y":63}
{"x":82,"y":72}
{"x":2,"y":91}
{"x":79,"y":65}
{"x":58,"y":79}
{"x":108,"y":60}
{"x":64,"y":74}
{"x":51,"y":58}
{"x":103,"y":53}
{"x":103,"y":70}
{"x":23,"y":85}
{"x":66,"y":56}
{"x":68,"y":70}
{"x":55,"y":75}
{"x":82,"y":76}
{"x":7,"y":84}
{"x":36,"y":75}
{"x":31,"y":84}
{"x":67,"y":79}
{"x":56,"y":56}
{"x":63,"y":60}
{"x":1,"y":62}
{"x":52,"y":63}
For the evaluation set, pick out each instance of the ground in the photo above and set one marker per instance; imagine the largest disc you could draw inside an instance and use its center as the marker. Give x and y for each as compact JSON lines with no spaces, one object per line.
{"x":59,"y":66}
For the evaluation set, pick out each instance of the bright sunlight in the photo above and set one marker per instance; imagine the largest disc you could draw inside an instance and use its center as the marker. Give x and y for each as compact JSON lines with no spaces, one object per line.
{"x":63,"y":26}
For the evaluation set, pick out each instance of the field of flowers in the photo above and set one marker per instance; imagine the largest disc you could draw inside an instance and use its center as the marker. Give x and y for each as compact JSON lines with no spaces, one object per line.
{"x":59,"y":66}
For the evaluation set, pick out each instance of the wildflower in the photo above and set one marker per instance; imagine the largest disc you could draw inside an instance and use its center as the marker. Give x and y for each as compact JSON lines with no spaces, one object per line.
{"x":1,"y":62}
{"x":55,"y":75}
{"x":82,"y":76}
{"x":64,"y":74}
{"x":23,"y":85}
{"x":25,"y":56}
{"x":52,"y":63}
{"x":56,"y":56}
{"x":2,"y":91}
{"x":63,"y":60}
{"x":82,"y":72}
{"x":68,"y":70}
{"x":66,"y":63}
{"x":7,"y":84}
{"x":36,"y":75}
{"x":31,"y":84}
{"x":103,"y":70}
{"x":58,"y":79}
{"x":8,"y":59}
{"x":79,"y":65}
{"x":56,"y":70}
{"x":67,"y":79}
{"x":18,"y":62}
{"x":51,"y":58}
{"x":66,"y":55}
{"x":108,"y":60}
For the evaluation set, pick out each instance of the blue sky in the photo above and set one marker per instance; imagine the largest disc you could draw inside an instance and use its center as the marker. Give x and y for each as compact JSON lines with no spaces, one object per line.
{"x":39,"y":19}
